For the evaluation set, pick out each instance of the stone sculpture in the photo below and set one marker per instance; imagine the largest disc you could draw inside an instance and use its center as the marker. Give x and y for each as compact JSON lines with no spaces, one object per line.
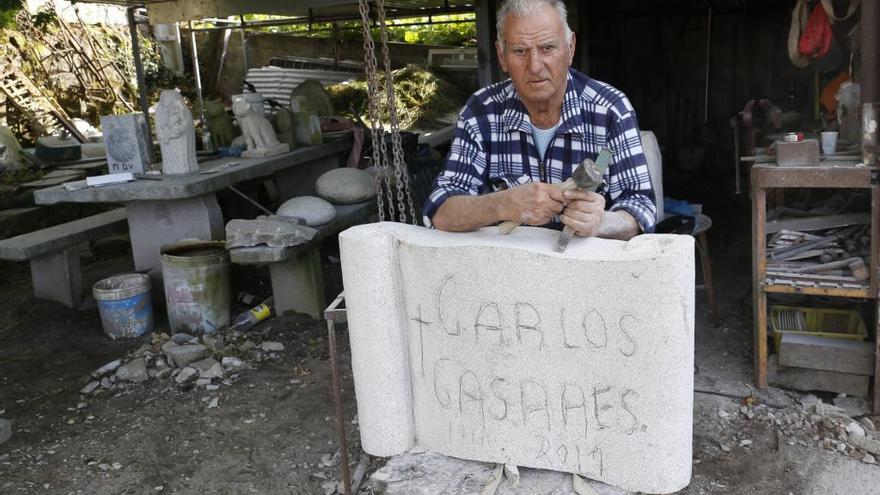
{"x":257,"y":131}
{"x":306,"y":122}
{"x":284,"y":123}
{"x":346,"y":185}
{"x":176,"y":133}
{"x":497,"y":349}
{"x":219,"y":123}
{"x":126,"y":142}
{"x":313,"y":98}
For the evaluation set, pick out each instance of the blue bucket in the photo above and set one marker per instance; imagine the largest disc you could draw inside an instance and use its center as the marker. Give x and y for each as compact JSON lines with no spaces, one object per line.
{"x":125,"y":305}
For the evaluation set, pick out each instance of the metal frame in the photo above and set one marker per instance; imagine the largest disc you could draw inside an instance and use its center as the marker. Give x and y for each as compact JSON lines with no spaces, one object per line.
{"x":333,"y":314}
{"x":139,"y":74}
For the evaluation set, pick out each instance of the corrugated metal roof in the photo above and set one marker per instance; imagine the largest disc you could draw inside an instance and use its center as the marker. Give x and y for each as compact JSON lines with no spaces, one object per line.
{"x":276,"y":83}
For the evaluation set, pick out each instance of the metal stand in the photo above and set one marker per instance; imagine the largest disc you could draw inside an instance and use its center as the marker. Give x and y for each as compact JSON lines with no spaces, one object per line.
{"x":334,"y":314}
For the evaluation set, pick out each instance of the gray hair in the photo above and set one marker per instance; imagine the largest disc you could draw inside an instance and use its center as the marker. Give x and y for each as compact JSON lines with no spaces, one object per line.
{"x":520,"y":8}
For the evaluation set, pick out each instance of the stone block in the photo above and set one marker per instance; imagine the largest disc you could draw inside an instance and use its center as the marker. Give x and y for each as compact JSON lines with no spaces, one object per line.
{"x":134,"y":371}
{"x":809,"y":379}
{"x":126,"y":142}
{"x":495,"y":348}
{"x":797,"y":154}
{"x":271,"y":231}
{"x":186,"y":375}
{"x":823,"y":353}
{"x":183,"y":355}
{"x":58,"y":277}
{"x":156,"y":223}
{"x":298,"y":284}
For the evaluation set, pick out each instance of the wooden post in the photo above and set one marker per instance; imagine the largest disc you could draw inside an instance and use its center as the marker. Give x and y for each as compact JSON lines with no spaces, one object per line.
{"x":759,"y":270}
{"x":486,"y":34}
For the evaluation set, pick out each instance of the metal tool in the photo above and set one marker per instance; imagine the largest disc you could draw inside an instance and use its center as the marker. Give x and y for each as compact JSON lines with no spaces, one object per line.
{"x":588,"y":177}
{"x":507,"y":226}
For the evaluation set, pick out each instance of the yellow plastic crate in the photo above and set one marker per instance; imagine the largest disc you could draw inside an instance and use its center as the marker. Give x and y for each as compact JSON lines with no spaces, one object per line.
{"x":832,"y":323}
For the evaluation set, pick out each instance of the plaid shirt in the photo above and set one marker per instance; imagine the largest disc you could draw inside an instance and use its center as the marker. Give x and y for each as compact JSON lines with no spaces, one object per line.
{"x":493,"y":147}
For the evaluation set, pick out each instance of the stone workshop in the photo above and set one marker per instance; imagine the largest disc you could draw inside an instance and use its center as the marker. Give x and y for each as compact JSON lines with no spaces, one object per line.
{"x":399,"y":247}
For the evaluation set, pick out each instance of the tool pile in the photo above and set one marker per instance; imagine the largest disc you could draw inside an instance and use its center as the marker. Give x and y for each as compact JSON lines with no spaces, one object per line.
{"x":836,"y":258}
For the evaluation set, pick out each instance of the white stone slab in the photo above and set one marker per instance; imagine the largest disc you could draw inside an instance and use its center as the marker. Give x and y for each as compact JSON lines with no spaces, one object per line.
{"x":495,"y":348}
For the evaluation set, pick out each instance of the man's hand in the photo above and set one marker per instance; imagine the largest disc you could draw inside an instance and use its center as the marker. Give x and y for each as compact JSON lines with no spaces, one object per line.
{"x":534,"y":203}
{"x":583,"y":212}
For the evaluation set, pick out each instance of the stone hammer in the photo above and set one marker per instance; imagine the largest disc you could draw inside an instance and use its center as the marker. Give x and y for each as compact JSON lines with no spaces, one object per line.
{"x":588,"y":177}
{"x":569,"y":184}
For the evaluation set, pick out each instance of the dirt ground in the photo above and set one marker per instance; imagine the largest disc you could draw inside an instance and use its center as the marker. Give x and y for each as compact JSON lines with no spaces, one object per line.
{"x":272,"y":430}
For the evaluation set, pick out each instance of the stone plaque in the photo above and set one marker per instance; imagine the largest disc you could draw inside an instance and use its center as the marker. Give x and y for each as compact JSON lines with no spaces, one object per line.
{"x":495,"y":348}
{"x":125,"y":138}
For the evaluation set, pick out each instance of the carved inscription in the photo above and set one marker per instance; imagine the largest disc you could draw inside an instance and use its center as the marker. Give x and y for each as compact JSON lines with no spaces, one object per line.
{"x":562,"y":420}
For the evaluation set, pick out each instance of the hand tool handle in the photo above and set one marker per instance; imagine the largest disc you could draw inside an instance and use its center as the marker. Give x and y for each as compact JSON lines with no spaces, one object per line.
{"x":507,"y":226}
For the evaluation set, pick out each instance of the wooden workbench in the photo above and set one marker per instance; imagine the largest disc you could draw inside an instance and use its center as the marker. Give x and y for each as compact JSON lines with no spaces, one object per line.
{"x":827,"y":175}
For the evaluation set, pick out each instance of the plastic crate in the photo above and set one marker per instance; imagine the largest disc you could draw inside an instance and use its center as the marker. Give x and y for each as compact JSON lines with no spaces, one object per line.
{"x":831,"y":323}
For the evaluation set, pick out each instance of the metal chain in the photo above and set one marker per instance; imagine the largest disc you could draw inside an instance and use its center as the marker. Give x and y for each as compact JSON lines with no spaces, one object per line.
{"x":400,"y":171}
{"x":374,"y":113}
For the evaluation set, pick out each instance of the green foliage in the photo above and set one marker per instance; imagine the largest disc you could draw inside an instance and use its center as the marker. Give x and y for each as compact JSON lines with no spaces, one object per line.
{"x":463,"y":33}
{"x":420,"y":95}
{"x":456,"y":30}
{"x":8,"y":11}
{"x":45,"y":18}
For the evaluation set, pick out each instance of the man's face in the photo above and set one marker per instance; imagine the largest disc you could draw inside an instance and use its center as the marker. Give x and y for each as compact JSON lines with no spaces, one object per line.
{"x":536,"y":55}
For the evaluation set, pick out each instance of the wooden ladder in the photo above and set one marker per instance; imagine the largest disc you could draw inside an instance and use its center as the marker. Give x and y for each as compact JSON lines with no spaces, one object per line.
{"x":41,"y":111}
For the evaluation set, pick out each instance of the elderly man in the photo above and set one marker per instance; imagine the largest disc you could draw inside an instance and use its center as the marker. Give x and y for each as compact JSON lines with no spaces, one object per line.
{"x":515,"y":138}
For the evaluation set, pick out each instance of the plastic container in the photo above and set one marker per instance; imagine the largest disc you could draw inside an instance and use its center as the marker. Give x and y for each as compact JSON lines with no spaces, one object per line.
{"x":829,"y":142}
{"x":251,"y":317}
{"x":125,"y":305}
{"x":831,"y":323}
{"x":197,"y":288}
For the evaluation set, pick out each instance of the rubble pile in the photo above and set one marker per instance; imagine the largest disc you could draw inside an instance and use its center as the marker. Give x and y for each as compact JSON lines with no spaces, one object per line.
{"x":843,"y":426}
{"x":185,"y":359}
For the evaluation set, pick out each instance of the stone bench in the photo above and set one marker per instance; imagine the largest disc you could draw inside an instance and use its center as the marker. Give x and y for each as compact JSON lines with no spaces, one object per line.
{"x":55,"y":267}
{"x":295,"y":271}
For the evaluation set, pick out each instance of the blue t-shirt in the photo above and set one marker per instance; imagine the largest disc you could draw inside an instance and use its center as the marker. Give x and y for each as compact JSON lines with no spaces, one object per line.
{"x":543,"y":137}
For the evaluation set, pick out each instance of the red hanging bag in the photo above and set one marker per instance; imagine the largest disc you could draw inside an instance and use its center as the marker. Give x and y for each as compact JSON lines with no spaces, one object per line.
{"x":816,"y":40}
